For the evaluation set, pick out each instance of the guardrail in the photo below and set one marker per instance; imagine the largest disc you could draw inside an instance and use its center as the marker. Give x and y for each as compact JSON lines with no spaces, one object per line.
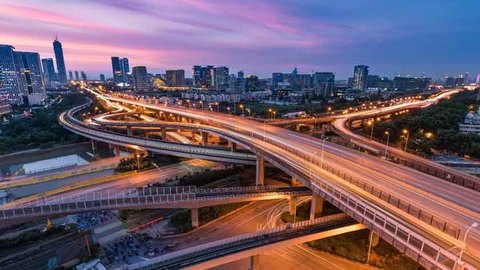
{"x":231,"y":240}
{"x":428,"y":253}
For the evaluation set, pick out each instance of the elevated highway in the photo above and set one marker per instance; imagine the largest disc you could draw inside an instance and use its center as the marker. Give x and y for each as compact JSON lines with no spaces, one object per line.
{"x":165,"y":197}
{"x":392,"y":200}
{"x":243,"y":246}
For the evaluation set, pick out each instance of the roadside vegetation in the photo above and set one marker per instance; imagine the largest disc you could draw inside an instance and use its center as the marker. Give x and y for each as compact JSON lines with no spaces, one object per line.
{"x":433,"y":128}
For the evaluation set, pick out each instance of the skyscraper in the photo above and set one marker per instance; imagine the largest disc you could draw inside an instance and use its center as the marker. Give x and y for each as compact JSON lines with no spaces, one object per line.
{"x":49,"y":69}
{"x":202,"y":76}
{"x":175,"y":78}
{"x":125,"y":69}
{"x":30,"y":72}
{"x":84,"y":76}
{"x":140,"y":79}
{"x":77,"y":77}
{"x":360,"y":75}
{"x":220,"y":78}
{"x":102,"y":77}
{"x":117,"y":69}
{"x":62,"y":72}
{"x":240,"y":83}
{"x":324,"y":82}
{"x":70,"y":75}
{"x":9,"y":84}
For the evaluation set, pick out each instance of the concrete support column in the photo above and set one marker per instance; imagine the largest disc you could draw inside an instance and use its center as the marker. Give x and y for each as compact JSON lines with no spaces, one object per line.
{"x":297,"y":127}
{"x":255,"y":262}
{"x":292,"y":205}
{"x":204,"y":138}
{"x":260,"y":175}
{"x":193,"y":136}
{"x":316,"y":208}
{"x":295,"y":182}
{"x":374,"y":239}
{"x":164,"y":133}
{"x":233,"y":147}
{"x":312,"y":130}
{"x":129,"y":131}
{"x":195,"y":222}
{"x":117,"y":150}
{"x":94,"y":147}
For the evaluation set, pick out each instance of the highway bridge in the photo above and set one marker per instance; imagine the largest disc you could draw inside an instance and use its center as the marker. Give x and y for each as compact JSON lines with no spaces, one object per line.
{"x":143,"y":198}
{"x":249,"y":245}
{"x":387,"y":198}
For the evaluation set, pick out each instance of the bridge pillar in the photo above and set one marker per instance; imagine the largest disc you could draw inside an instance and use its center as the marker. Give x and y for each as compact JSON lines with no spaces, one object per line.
{"x":316,"y":208}
{"x":260,"y":175}
{"x":129,"y":131}
{"x":374,"y":239}
{"x":297,"y":127}
{"x":233,"y":147}
{"x":195,"y":222}
{"x":312,"y":129}
{"x":255,"y":262}
{"x":117,"y":150}
{"x":94,"y":147}
{"x":164,"y":133}
{"x":292,"y":205}
{"x":204,"y":138}
{"x":295,"y":182}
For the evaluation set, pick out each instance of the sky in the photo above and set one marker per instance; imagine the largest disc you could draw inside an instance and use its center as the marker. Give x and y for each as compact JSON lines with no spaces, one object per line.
{"x":408,"y":37}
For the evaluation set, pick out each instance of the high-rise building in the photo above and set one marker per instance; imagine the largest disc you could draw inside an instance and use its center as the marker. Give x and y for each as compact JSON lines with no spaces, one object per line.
{"x":77,"y":77}
{"x":220,"y":78}
{"x":360,"y":75}
{"x":175,"y":78}
{"x":324,"y":82}
{"x":125,"y":69}
{"x":202,"y":76}
{"x":49,"y":69}
{"x":84,"y":76}
{"x":70,"y":75}
{"x":102,"y":77}
{"x":117,"y":69}
{"x":62,"y":71}
{"x":9,"y":84}
{"x":30,"y":72}
{"x":449,"y":82}
{"x":141,"y":82}
{"x":240,"y":83}
{"x":402,"y":83}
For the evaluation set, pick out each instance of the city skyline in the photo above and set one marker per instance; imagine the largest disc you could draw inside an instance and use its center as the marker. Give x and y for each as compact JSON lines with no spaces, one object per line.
{"x":307,"y":35}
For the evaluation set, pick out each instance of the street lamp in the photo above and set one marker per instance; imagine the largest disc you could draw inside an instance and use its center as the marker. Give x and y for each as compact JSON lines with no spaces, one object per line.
{"x":474,"y":225}
{"x":405,"y":131}
{"x":242,"y":107}
{"x":218,"y":106}
{"x":270,"y":112}
{"x":138,"y":161}
{"x":371,"y":123}
{"x":386,"y":147}
{"x":248,"y":110}
{"x":274,"y":113}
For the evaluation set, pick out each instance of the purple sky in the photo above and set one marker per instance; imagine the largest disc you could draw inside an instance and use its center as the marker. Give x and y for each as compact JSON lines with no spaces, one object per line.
{"x":438,"y":37}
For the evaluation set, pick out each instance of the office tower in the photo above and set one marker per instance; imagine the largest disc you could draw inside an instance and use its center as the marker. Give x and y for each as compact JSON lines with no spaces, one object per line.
{"x":125,"y":69}
{"x":70,"y":75}
{"x":117,"y":69}
{"x":84,"y":76}
{"x":449,"y":82}
{"x":360,"y":75}
{"x":203,"y":76}
{"x":77,"y":77}
{"x":102,"y":77}
{"x":62,"y":72}
{"x":49,"y":69}
{"x":220,"y":78}
{"x":9,"y":84}
{"x":30,"y":72}
{"x":141,"y":82}
{"x":240,"y":83}
{"x":175,"y":78}
{"x":405,"y":83}
{"x":325,"y":82}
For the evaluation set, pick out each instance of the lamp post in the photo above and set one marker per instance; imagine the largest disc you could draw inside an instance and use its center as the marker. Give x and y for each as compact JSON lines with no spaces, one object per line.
{"x":249,"y":112}
{"x":242,"y":107}
{"x":386,"y":147}
{"x":474,"y":225}
{"x":138,"y":161}
{"x":371,"y":123}
{"x":405,"y":131}
{"x":270,"y":113}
